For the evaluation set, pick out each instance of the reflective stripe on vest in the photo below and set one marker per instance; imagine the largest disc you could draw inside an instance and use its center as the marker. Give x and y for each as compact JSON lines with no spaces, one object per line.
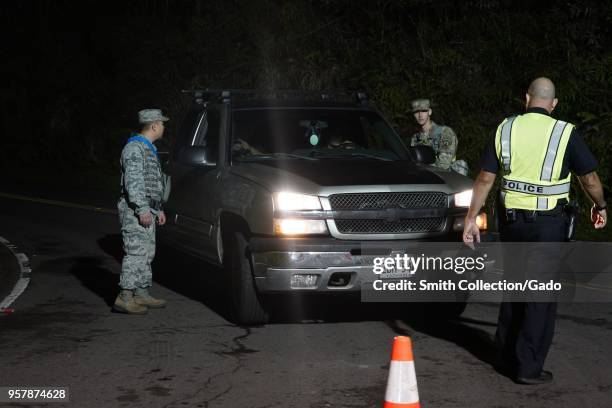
{"x":535,"y":189}
{"x":506,"y":134}
{"x":551,"y":153}
{"x":538,"y":186}
{"x":542,"y":203}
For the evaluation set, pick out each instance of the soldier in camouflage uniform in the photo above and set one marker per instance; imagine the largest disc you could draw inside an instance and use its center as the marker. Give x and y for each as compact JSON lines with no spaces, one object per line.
{"x":441,"y":138}
{"x":140,"y":208}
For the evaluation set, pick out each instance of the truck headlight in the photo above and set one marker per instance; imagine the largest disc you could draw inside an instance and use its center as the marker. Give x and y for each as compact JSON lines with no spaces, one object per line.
{"x":481,"y":221}
{"x":285,"y":201}
{"x":463,"y":199}
{"x":292,"y":226}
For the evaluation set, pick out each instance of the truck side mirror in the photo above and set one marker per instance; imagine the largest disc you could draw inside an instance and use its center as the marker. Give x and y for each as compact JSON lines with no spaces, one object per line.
{"x":196,"y":156}
{"x":423,"y":154}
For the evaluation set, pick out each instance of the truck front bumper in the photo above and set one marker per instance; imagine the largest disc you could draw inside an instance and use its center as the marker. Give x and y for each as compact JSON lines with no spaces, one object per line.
{"x":320,"y":264}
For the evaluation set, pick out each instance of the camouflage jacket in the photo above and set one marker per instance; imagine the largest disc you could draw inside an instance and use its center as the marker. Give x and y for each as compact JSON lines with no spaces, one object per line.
{"x":444,"y":142}
{"x":141,"y":176}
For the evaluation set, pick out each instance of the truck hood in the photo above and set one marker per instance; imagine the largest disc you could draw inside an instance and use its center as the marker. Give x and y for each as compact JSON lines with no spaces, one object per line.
{"x":313,"y":177}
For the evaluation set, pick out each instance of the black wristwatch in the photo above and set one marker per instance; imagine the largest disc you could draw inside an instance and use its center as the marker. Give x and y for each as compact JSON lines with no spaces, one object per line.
{"x":598,"y":208}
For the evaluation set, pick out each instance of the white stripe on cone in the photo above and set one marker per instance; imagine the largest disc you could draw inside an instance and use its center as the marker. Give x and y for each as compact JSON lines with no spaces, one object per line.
{"x":402,"y":383}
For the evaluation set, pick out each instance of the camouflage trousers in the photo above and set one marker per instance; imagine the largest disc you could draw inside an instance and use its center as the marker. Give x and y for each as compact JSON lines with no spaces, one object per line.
{"x":139,"y":248}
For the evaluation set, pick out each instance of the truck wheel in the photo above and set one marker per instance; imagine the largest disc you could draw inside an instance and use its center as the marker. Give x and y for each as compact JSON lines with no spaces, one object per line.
{"x":244,"y":302}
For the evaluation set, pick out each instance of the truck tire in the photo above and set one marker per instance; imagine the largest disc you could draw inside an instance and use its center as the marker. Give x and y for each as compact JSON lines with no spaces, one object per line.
{"x":244,"y":302}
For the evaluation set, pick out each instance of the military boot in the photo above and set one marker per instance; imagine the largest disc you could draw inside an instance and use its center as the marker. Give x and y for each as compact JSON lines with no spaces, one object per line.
{"x":125,"y":303}
{"x":142,"y":297}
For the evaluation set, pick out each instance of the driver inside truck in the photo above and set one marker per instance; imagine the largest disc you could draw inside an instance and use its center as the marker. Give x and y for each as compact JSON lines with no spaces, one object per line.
{"x":337,"y":141}
{"x":241,"y":147}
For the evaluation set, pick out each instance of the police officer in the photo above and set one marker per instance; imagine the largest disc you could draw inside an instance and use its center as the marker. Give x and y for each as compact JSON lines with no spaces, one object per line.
{"x":535,"y":154}
{"x":140,"y":208}
{"x":442,"y":139}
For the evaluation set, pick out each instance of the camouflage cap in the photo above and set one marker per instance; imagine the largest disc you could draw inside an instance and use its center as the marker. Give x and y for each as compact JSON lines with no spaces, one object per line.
{"x":420,"y":105}
{"x":151,"y":115}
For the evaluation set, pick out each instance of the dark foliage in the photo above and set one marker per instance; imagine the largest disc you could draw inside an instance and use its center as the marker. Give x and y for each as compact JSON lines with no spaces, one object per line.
{"x":72,"y":85}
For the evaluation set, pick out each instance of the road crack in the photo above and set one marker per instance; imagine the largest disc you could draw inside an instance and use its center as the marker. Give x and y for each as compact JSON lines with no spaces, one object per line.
{"x":237,"y":353}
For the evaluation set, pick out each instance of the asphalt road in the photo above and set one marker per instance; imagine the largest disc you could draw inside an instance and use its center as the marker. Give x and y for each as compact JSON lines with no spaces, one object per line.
{"x":62,"y":333}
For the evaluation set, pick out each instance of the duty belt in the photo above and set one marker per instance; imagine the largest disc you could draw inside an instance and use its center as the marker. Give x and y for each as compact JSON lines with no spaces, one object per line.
{"x":157,"y":205}
{"x":535,"y":189}
{"x":510,"y":214}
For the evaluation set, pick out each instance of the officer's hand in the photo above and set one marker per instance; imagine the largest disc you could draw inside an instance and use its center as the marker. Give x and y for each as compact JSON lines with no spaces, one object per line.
{"x":145,"y":219}
{"x":471,"y":233}
{"x":161,"y":218}
{"x":598,"y":218}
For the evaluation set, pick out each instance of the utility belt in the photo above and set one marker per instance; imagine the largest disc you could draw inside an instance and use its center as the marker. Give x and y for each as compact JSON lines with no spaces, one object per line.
{"x":510,"y":215}
{"x":156,"y":205}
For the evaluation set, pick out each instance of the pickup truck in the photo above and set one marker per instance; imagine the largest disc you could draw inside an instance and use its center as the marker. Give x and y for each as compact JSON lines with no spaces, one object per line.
{"x":282,"y":190}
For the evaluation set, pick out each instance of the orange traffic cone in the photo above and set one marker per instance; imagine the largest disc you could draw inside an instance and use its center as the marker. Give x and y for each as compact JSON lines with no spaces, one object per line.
{"x":402,"y":389}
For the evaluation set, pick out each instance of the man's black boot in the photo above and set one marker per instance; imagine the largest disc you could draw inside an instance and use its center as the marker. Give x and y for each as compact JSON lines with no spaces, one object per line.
{"x":544,"y":378}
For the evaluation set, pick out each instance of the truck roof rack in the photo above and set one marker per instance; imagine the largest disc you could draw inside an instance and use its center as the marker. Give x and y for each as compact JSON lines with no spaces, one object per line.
{"x":201,"y":96}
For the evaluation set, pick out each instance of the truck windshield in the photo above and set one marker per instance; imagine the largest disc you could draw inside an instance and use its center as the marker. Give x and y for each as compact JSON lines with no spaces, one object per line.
{"x":313,"y":134}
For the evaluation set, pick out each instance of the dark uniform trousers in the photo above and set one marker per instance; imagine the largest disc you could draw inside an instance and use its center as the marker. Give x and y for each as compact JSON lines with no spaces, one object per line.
{"x":526,"y":323}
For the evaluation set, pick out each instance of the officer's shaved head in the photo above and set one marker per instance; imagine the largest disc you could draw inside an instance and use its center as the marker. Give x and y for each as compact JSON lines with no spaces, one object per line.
{"x":542,"y":88}
{"x":541,"y":94}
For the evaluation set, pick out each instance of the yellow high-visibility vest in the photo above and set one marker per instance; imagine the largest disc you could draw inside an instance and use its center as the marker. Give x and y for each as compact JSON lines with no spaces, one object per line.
{"x":530,"y":149}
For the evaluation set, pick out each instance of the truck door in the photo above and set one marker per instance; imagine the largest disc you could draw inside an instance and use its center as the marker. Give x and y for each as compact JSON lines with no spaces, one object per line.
{"x":194,"y":174}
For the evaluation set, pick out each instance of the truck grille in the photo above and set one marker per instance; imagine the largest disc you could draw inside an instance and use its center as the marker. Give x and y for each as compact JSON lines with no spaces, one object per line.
{"x":381,"y":201}
{"x":394,"y":227}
